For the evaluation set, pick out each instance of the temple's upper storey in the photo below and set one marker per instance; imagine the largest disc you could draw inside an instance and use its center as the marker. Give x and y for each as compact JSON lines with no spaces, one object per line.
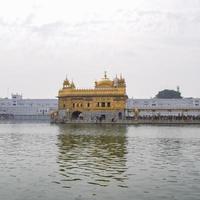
{"x":105,"y":86}
{"x":104,"y":83}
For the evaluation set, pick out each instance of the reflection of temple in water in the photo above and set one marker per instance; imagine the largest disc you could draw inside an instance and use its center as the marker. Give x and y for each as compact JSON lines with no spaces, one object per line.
{"x":95,"y":155}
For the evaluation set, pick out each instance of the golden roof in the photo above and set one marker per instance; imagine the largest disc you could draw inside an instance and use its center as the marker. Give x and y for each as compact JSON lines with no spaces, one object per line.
{"x":104,"y":83}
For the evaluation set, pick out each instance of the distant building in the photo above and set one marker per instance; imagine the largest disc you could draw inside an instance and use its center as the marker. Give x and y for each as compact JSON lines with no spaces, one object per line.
{"x":163,"y":107}
{"x":19,"y":108}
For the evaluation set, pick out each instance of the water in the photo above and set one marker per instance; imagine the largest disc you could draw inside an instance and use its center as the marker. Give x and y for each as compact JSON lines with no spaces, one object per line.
{"x":94,"y":162}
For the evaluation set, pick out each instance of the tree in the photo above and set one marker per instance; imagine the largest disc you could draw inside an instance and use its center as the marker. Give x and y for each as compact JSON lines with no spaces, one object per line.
{"x":169,"y":94}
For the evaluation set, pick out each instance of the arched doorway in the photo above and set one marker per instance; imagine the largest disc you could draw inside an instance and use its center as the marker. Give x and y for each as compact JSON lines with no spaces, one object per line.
{"x":120,"y":115}
{"x":102,"y":117}
{"x":76,"y":115}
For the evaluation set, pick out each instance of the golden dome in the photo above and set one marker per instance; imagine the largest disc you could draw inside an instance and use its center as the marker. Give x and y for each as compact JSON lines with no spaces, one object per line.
{"x":104,"y":83}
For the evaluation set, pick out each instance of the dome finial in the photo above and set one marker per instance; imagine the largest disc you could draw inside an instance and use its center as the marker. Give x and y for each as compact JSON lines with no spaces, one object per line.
{"x":105,"y":74}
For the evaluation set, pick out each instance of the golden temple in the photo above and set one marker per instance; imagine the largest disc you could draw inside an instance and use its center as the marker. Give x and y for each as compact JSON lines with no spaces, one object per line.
{"x":106,"y":101}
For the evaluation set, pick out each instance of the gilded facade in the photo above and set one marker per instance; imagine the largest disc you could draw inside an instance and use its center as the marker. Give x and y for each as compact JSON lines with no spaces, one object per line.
{"x":106,"y":101}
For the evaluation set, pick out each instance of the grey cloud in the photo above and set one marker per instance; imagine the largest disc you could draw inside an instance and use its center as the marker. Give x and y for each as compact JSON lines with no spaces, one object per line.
{"x":134,"y":21}
{"x":163,"y":22}
{"x":29,"y":19}
{"x":196,"y":19}
{"x":50,"y":28}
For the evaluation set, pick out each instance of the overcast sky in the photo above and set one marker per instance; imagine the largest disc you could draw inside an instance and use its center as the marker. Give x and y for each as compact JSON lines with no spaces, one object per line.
{"x":155,"y":44}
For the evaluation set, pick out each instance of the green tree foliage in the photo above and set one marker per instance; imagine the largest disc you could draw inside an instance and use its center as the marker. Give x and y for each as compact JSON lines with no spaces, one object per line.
{"x":169,"y":94}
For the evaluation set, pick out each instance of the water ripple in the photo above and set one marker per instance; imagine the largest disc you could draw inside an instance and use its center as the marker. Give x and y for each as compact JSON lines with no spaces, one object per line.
{"x":98,"y":156}
{"x":47,"y":162}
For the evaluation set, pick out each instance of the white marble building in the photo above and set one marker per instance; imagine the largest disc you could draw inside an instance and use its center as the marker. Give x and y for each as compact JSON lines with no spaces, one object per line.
{"x":163,"y":107}
{"x":18,"y":108}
